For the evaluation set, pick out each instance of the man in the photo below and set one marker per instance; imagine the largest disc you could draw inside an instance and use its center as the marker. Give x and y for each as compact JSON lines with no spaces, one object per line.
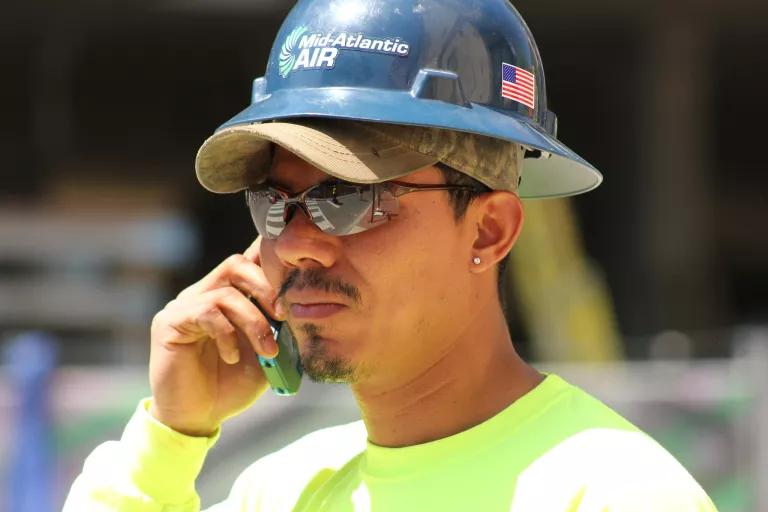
{"x":384,"y":157}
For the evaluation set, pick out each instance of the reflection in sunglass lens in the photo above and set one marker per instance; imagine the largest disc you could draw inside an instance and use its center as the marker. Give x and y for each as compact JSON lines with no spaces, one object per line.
{"x":334,"y":191}
{"x":335,"y":208}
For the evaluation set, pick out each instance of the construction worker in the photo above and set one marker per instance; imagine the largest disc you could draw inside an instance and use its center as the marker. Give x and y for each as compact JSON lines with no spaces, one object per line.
{"x":383,"y":159}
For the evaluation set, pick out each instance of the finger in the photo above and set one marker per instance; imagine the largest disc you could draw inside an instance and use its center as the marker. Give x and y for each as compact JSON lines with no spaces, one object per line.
{"x":246,"y":317}
{"x":193,"y":319}
{"x":268,"y":302}
{"x":252,"y":281}
{"x":253,"y":252}
{"x":216,"y":325}
{"x":183,"y":317}
{"x":240,"y":272}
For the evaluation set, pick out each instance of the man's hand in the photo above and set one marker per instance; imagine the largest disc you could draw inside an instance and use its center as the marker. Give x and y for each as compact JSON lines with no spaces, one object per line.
{"x":203,"y":366}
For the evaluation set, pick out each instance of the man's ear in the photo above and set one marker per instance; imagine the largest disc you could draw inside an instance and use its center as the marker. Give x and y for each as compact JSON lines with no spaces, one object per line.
{"x":499,"y":220}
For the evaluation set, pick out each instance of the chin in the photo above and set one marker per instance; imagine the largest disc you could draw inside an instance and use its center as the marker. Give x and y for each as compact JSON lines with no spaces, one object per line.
{"x":324,"y":359}
{"x":331,"y":370}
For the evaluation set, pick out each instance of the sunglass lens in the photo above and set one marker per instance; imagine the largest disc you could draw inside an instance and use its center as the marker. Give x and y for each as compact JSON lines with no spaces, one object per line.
{"x":267,"y":211}
{"x":337,"y":210}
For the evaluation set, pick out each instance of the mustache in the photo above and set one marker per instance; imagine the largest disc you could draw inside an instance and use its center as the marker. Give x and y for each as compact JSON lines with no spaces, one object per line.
{"x":315,"y":279}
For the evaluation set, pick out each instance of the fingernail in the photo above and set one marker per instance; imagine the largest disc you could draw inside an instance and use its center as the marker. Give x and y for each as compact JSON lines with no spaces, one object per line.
{"x":280,"y":312}
{"x":269,"y":346}
{"x":233,"y":357}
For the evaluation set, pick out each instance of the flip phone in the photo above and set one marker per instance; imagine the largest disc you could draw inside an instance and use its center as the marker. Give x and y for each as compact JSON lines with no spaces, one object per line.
{"x":284,"y":371}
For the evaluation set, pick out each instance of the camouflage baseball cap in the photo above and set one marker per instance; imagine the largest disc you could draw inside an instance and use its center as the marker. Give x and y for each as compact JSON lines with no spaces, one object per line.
{"x":361,"y":152}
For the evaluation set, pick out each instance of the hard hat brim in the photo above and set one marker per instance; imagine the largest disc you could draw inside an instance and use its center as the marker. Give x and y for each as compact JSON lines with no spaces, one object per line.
{"x":559,"y":172}
{"x":241,"y":155}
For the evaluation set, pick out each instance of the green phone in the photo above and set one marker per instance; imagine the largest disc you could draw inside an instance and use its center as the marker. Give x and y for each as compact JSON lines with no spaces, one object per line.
{"x":283,"y":372}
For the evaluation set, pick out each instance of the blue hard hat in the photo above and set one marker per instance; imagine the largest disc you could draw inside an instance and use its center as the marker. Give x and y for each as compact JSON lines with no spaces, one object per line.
{"x":461,"y":65}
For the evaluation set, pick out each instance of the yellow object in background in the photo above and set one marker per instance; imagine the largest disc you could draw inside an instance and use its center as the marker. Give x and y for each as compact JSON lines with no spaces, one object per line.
{"x":565,"y":301}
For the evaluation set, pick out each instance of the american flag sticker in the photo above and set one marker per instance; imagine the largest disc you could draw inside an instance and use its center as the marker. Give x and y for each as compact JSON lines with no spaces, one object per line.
{"x":518,"y":84}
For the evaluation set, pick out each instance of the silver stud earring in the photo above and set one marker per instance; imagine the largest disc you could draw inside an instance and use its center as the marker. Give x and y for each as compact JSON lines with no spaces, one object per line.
{"x":477,"y":260}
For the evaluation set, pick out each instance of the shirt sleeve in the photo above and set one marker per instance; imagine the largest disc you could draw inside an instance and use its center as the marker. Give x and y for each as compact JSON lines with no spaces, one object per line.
{"x":679,"y":493}
{"x":152,"y":468}
{"x":652,"y":480}
{"x":609,"y":470}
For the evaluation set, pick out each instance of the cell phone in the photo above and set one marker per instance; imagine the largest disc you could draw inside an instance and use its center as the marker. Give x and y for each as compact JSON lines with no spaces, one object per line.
{"x":284,"y":371}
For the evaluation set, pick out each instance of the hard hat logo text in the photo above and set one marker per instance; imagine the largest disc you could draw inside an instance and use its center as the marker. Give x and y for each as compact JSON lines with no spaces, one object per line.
{"x":303,"y":51}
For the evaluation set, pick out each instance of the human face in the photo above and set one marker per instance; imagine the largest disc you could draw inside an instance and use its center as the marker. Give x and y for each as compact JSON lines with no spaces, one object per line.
{"x":376,"y":305}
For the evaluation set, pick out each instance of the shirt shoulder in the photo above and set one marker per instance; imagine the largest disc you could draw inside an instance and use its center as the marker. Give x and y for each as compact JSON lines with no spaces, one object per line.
{"x":607,"y":469}
{"x":585,"y":456}
{"x":277,"y":481}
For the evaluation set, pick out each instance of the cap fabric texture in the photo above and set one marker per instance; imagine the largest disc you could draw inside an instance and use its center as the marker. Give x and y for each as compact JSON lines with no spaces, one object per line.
{"x":361,"y":152}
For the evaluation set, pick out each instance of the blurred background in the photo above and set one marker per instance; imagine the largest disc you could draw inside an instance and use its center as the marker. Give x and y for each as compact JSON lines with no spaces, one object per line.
{"x":651,"y":292}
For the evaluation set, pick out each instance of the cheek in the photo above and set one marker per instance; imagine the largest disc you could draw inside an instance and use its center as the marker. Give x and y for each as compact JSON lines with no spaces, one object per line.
{"x":411,"y":263}
{"x":271,"y":264}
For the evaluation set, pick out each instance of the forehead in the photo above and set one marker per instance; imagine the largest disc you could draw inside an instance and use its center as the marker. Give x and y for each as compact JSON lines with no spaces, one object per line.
{"x":294,"y":174}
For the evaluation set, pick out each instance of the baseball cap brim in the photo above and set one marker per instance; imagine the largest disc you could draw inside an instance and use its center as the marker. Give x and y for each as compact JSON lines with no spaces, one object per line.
{"x":239,"y":156}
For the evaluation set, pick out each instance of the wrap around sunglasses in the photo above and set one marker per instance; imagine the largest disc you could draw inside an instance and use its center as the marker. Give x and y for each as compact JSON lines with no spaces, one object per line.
{"x":336,"y":207}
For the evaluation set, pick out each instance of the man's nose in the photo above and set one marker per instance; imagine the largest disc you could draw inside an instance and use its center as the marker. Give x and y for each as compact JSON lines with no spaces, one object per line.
{"x":303,"y":245}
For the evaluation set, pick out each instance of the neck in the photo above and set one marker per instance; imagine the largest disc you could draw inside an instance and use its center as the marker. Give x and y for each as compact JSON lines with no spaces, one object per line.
{"x":468,"y":385}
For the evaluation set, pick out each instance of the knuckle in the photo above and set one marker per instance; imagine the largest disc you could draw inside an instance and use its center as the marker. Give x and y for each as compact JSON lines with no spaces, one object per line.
{"x":233,"y":292}
{"x":186,"y":292}
{"x":255,"y":334}
{"x":240,"y":283}
{"x":228,"y":330}
{"x":228,"y":293}
{"x":209,"y":314}
{"x":158,"y":319}
{"x":257,"y":329}
{"x":165,"y":340}
{"x":234,"y":261}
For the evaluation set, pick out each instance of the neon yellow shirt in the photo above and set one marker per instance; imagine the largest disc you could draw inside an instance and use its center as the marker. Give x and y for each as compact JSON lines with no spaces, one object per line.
{"x":555,"y":449}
